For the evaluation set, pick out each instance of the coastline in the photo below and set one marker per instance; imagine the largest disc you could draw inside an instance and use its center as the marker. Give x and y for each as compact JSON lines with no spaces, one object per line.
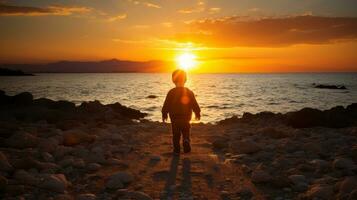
{"x":56,"y":149}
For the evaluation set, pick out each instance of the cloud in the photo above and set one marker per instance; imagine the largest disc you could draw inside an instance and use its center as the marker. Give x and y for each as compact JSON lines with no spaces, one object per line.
{"x":117,"y":18}
{"x":167,"y":24}
{"x":199,"y":7}
{"x":151,"y":5}
{"x":147,"y":4}
{"x":11,"y":10}
{"x":214,"y":10}
{"x":270,"y":32}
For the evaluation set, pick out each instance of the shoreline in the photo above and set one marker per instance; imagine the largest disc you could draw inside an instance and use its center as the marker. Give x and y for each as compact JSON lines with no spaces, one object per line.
{"x":57,"y":150}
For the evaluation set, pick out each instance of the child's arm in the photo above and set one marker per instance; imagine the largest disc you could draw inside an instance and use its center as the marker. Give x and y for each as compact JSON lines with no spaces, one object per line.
{"x":165,"y":108}
{"x":195,"y":107}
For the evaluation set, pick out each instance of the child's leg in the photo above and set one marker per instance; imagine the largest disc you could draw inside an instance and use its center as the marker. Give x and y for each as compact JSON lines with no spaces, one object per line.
{"x":176,"y":135}
{"x":186,"y":137}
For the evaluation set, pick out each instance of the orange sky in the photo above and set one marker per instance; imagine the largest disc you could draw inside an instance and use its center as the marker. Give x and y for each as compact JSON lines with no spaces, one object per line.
{"x":226,"y":36}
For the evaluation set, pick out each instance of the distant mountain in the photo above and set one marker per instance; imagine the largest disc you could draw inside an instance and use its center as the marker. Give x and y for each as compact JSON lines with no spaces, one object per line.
{"x":105,"y":66}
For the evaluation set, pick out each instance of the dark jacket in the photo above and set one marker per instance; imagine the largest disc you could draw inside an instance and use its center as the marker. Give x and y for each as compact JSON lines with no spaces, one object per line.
{"x":179,"y":104}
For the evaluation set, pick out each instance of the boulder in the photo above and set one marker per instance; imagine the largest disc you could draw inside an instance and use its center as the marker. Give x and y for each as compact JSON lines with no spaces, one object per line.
{"x":245,"y":147}
{"x":305,"y":118}
{"x":87,"y":196}
{"x":74,"y":137}
{"x":25,"y":178}
{"x":47,"y":145}
{"x":117,"y":180}
{"x":94,"y":167}
{"x":22,"y":99}
{"x":318,"y":191}
{"x":348,"y":185}
{"x":137,"y":195}
{"x":260,"y":176}
{"x":344,"y":164}
{"x":21,"y":140}
{"x":4,"y":163}
{"x":55,"y":182}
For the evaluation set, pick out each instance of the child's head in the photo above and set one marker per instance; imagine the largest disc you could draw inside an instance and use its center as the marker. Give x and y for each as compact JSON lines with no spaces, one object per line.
{"x":179,"y":77}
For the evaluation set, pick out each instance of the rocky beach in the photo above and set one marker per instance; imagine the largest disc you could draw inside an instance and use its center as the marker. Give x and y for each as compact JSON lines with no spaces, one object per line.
{"x":58,"y":150}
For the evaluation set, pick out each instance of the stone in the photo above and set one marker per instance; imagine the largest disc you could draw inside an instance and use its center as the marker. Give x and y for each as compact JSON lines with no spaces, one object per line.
{"x":343,"y":163}
{"x":137,"y":195}
{"x":94,"y":167}
{"x":117,"y":180}
{"x":47,"y":145}
{"x":24,"y":98}
{"x":260,"y":176}
{"x":21,"y":140}
{"x":246,"y":147}
{"x":87,"y":196}
{"x":47,"y":157}
{"x":297,"y":179}
{"x":55,"y":183}
{"x":318,"y":191}
{"x":348,"y":185}
{"x":4,"y":163}
{"x":25,"y":178}
{"x":75,"y":137}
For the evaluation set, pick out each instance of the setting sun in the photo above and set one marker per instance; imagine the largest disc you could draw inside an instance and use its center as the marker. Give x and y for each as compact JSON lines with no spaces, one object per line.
{"x":186,"y":61}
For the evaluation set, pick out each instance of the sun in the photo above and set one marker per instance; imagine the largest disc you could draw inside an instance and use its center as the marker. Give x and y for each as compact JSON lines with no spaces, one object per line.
{"x":186,"y":61}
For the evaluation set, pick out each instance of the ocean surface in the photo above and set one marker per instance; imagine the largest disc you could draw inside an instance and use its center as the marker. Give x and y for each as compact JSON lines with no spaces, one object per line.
{"x":219,"y":95}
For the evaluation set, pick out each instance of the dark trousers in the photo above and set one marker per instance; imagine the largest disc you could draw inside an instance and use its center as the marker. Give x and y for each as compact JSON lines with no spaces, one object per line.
{"x":181,"y":128}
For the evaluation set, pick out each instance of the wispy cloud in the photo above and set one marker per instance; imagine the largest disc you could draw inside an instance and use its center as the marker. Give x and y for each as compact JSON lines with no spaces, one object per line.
{"x":145,"y":3}
{"x":214,"y":10}
{"x":199,"y":7}
{"x":117,"y":18}
{"x":12,"y":10}
{"x":167,"y":24}
{"x":271,"y":32}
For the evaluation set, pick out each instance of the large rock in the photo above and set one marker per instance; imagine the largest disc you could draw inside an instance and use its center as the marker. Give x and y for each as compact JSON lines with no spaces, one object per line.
{"x":25,"y":178}
{"x":87,"y":196}
{"x":55,"y":183}
{"x":245,"y":147}
{"x":4,"y":163}
{"x":348,"y":185}
{"x":344,"y":164}
{"x":24,"y":98}
{"x":260,"y":176}
{"x":74,"y":137}
{"x":21,"y":140}
{"x":307,"y":117}
{"x":117,"y":181}
{"x":136,"y":195}
{"x":318,"y":191}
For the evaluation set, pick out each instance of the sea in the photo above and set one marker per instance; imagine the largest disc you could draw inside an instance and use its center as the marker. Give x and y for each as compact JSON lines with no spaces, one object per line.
{"x":219,"y":95}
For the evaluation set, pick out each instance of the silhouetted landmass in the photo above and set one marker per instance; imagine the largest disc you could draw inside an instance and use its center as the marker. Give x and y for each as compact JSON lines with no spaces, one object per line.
{"x":333,"y":87}
{"x":106,"y":66}
{"x":12,"y":72}
{"x":336,"y":117}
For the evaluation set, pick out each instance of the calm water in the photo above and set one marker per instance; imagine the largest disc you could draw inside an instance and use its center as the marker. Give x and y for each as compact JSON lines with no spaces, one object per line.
{"x":220,"y":95}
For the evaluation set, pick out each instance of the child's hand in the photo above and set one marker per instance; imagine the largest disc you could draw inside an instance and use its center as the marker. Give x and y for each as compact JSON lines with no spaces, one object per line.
{"x":198,"y":117}
{"x":164,"y":118}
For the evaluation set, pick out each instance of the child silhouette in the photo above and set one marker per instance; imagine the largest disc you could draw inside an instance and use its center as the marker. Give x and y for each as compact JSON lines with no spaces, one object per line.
{"x":179,"y":104}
